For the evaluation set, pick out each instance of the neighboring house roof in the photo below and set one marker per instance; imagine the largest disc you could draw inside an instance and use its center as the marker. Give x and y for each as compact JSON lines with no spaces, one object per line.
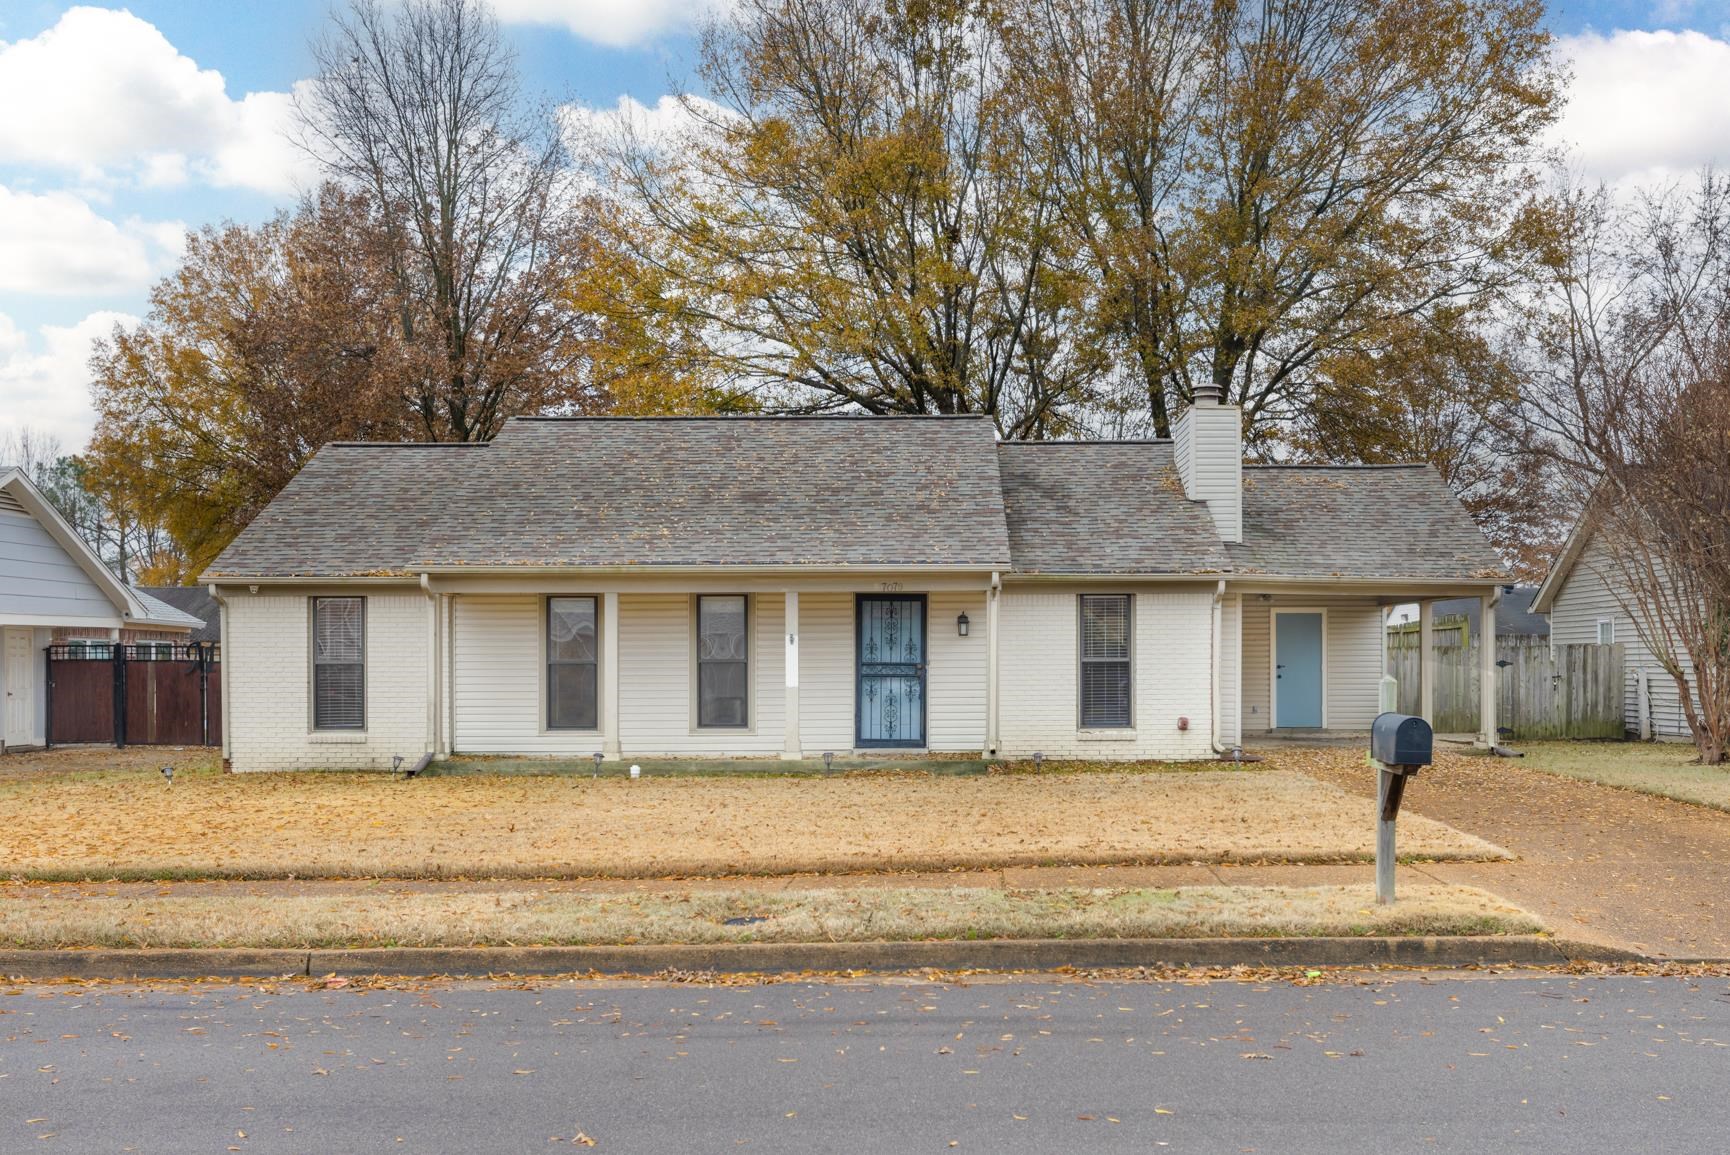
{"x":1358,"y":522}
{"x":1514,"y":616}
{"x":837,"y":491}
{"x":194,"y":602}
{"x":643,"y":492}
{"x":1104,"y":507}
{"x":19,"y":496}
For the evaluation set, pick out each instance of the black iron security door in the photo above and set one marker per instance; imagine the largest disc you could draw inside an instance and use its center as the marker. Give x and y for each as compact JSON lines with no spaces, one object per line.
{"x":890,"y":696}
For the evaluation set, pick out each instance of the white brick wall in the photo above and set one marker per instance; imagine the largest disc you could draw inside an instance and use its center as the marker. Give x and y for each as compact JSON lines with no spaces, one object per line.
{"x":269,"y":683}
{"x":1172,"y":669}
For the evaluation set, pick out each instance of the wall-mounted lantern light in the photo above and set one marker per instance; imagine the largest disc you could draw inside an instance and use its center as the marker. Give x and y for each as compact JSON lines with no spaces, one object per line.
{"x":961,"y":625}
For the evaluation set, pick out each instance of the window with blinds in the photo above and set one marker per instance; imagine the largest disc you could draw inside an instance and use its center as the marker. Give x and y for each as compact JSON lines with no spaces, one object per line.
{"x":572,"y":657}
{"x":1105,"y":662}
{"x":723,"y":661}
{"x":339,"y":663}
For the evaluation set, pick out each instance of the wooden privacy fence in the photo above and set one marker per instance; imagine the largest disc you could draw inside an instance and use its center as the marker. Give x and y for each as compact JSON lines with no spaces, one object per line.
{"x":1544,"y":691}
{"x":141,"y":695}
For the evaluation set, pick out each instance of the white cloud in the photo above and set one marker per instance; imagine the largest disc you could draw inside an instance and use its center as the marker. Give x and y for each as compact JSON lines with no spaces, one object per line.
{"x":56,"y":244}
{"x":617,"y":23}
{"x":104,"y":94}
{"x":45,"y":379}
{"x":1646,"y":107}
{"x":661,"y":127}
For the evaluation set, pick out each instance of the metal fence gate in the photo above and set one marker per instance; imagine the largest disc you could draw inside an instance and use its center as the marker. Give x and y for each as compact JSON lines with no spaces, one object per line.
{"x":151,"y":694}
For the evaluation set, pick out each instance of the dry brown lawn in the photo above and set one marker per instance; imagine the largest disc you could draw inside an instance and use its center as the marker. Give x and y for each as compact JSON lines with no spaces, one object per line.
{"x":525,"y":917}
{"x":130,"y":824}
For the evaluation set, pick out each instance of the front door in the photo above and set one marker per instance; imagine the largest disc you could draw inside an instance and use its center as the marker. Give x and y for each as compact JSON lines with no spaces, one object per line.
{"x":890,"y":696}
{"x":20,"y":701}
{"x":1298,"y":671}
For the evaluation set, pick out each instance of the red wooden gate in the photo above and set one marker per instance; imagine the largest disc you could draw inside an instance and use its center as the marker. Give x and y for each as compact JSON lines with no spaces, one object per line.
{"x":142,"y":695}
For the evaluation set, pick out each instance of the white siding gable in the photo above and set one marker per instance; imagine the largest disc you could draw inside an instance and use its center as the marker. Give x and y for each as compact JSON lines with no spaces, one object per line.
{"x":39,"y":579}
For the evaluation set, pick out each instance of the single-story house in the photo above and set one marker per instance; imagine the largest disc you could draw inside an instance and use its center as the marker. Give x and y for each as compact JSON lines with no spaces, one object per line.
{"x":1579,"y":599}
{"x":54,"y":588}
{"x":763,"y":586}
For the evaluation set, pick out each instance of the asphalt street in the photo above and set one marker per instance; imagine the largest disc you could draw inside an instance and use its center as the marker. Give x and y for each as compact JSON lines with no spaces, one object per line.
{"x":1551,"y":1063}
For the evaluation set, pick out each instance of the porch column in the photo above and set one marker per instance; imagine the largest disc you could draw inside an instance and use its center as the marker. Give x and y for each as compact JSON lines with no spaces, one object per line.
{"x":791,"y":748}
{"x":1427,"y":661}
{"x":1487,"y":684}
{"x":991,"y":598}
{"x":610,"y":676}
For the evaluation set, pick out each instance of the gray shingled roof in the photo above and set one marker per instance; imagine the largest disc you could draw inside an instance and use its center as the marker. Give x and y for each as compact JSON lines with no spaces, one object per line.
{"x":1103,"y":507}
{"x":843,"y":491}
{"x":193,"y":601}
{"x":1372,"y":522}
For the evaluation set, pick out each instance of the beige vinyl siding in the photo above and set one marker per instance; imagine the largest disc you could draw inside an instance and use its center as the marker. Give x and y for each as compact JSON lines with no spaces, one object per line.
{"x":1353,"y":672}
{"x":266,"y":650}
{"x":498,"y":689}
{"x":1172,"y":663}
{"x":825,"y":672}
{"x":1257,"y":651}
{"x":655,"y":679}
{"x":1208,"y":448}
{"x":1586,"y":598}
{"x":955,"y":673}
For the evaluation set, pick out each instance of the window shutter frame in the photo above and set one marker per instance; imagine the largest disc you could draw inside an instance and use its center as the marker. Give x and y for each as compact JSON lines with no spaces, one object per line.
{"x":1096,"y":674}
{"x":338,"y":716}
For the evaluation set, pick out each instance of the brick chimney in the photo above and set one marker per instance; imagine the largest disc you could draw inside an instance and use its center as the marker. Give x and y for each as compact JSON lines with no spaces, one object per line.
{"x":1207,"y":442}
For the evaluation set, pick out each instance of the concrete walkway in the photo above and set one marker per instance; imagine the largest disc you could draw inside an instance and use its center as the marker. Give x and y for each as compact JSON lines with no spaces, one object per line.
{"x":1600,"y":865}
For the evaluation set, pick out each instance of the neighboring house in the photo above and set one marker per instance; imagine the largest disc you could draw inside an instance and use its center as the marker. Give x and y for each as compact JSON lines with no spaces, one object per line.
{"x":1456,"y":619}
{"x":53,"y":586}
{"x":1578,"y":598}
{"x":743,"y":586}
{"x":195,"y":601}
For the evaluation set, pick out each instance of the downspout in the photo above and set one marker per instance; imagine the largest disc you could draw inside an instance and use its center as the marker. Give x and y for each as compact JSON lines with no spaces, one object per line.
{"x":991,"y":687}
{"x":227,"y":730}
{"x":433,"y":665}
{"x":1218,"y":611}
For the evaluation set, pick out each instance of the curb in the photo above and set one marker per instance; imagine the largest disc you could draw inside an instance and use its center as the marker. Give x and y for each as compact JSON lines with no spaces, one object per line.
{"x":772,"y":958}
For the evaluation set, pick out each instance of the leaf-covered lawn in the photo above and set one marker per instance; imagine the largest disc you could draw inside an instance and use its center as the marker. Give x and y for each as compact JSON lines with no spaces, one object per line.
{"x":1669,"y":769}
{"x":524,"y":917}
{"x":131,"y":824}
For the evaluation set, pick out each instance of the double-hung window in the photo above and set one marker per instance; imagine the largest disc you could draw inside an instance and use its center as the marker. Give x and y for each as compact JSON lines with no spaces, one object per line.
{"x":1105,"y":662}
{"x":723,"y":661}
{"x":572,"y":656}
{"x":339,"y":663}
{"x":1606,"y":631}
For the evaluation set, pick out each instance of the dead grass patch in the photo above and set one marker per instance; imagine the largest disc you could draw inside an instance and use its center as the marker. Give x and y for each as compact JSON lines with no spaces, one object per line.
{"x":536,"y":918}
{"x":1668,"y":769}
{"x":212,"y":825}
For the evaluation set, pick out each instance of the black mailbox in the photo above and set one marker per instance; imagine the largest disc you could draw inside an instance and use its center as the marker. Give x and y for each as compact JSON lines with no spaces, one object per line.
{"x":1401,"y":742}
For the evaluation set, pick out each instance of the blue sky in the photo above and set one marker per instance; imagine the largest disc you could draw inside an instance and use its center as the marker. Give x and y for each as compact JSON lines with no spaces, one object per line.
{"x":145,"y":119}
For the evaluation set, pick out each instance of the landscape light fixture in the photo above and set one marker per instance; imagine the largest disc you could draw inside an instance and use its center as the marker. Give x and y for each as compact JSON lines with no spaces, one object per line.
{"x":961,"y":624}
{"x":828,"y":760}
{"x":395,"y":763}
{"x":168,"y":773}
{"x":597,"y":772}
{"x":1038,"y":760}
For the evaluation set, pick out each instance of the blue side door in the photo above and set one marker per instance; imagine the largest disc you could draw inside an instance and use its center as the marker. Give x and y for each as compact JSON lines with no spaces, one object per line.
{"x":1298,"y":671}
{"x":890,"y":695}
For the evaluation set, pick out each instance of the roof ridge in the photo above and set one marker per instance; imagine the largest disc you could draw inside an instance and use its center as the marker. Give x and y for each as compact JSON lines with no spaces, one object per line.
{"x":1336,"y":465}
{"x":1090,"y":441}
{"x":719,"y":417}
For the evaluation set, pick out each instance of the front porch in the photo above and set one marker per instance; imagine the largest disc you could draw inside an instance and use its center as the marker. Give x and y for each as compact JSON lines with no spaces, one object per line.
{"x":1311,"y":661}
